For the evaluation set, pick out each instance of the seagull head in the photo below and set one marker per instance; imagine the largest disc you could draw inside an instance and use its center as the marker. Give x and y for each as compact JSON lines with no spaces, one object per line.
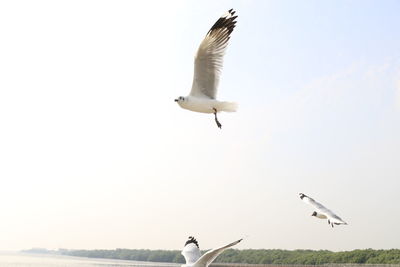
{"x":179,"y":99}
{"x":314,"y":213}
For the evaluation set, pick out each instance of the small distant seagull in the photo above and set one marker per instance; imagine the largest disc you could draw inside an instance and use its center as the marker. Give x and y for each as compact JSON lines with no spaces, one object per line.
{"x":322,"y":212}
{"x":192,"y":255}
{"x":207,"y":69}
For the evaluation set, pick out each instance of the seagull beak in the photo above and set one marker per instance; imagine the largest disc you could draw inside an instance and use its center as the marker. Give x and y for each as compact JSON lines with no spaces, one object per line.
{"x":176,"y":100}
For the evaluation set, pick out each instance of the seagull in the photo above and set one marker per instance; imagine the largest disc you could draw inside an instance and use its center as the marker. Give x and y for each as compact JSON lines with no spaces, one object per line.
{"x":322,"y":212}
{"x":207,"y":69}
{"x":192,"y":255}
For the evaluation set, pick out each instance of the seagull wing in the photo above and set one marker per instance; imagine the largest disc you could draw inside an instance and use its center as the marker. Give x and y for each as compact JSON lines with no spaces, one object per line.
{"x":312,"y":202}
{"x":333,"y":217}
{"x":210,"y":255}
{"x":321,"y":208}
{"x":209,"y":58}
{"x":191,"y":251}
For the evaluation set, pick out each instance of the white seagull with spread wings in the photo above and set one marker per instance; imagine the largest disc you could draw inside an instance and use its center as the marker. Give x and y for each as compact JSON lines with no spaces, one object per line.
{"x":193,"y":257}
{"x":322,"y":212}
{"x":207,"y":69}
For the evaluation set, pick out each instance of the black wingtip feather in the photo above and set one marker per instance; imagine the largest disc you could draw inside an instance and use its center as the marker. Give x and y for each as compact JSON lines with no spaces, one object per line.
{"x":223,"y":22}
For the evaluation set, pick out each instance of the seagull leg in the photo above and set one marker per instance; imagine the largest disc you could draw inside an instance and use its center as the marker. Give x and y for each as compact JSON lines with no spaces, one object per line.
{"x":216,"y":120}
{"x":329,"y":222}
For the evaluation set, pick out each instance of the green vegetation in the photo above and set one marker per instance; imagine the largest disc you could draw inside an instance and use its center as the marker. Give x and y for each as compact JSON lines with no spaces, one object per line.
{"x":255,"y":256}
{"x":311,"y":257}
{"x":129,"y":254}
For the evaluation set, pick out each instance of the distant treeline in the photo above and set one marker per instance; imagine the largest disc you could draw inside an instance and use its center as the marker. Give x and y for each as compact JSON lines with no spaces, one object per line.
{"x":253,"y":256}
{"x":129,"y":254}
{"x":310,"y":257}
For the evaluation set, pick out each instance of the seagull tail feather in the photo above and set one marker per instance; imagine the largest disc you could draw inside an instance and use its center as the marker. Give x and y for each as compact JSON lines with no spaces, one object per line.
{"x":228,"y":106}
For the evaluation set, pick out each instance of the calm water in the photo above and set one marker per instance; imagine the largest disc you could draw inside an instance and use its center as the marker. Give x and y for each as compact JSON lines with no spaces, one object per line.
{"x":34,"y":260}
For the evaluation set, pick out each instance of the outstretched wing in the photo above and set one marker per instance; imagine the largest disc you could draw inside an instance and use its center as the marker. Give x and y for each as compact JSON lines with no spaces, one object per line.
{"x":320,"y":208}
{"x":312,"y":202}
{"x":209,"y":58}
{"x":210,"y":255}
{"x":191,"y":251}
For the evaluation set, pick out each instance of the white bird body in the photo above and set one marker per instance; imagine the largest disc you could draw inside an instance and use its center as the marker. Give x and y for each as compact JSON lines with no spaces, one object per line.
{"x":322,"y":212}
{"x":206,"y":105}
{"x":207,"y":69}
{"x":320,"y":216}
{"x":193,"y":257}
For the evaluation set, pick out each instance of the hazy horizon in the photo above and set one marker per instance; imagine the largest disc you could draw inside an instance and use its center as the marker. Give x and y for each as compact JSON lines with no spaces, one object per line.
{"x":177,"y":249}
{"x":95,"y":153}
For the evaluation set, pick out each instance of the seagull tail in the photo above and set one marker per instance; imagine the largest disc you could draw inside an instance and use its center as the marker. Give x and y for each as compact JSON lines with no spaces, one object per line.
{"x":228,"y":106}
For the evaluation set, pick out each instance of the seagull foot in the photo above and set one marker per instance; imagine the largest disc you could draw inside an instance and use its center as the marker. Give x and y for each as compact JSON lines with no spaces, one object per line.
{"x":218,"y":124}
{"x":216,"y":119}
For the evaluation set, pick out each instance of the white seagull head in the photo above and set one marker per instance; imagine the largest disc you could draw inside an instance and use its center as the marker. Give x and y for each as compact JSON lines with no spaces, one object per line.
{"x":180,"y":99}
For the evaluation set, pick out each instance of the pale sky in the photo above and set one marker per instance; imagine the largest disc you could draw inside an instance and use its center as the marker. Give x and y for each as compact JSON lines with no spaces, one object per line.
{"x":95,"y":153}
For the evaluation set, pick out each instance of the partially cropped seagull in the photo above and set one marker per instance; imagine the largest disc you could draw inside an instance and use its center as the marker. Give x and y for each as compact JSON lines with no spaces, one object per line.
{"x":207,"y":69}
{"x":193,"y":257}
{"x":322,"y":212}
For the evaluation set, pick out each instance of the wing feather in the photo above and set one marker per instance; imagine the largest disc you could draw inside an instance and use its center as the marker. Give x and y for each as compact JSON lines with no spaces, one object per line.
{"x":210,"y":255}
{"x":209,"y":58}
{"x":312,"y":202}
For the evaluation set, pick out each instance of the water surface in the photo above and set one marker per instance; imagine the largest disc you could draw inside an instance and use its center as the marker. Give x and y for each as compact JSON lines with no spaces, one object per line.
{"x":39,"y":260}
